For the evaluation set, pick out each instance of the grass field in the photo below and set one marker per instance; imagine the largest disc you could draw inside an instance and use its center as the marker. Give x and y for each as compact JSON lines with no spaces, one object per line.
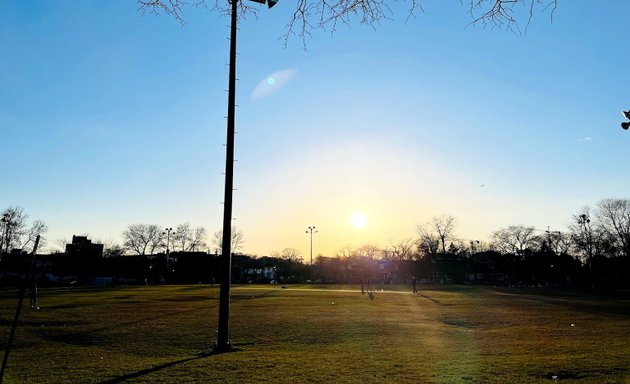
{"x":320,"y":334}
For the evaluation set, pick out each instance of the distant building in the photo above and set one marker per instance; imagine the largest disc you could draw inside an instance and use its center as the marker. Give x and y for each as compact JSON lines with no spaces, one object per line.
{"x":83,"y":247}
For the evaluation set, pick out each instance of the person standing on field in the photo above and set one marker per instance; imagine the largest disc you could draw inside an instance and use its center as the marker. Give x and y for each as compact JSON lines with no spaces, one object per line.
{"x":33,"y":295}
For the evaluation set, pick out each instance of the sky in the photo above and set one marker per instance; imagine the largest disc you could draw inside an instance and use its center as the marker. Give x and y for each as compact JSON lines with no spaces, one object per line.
{"x":109,"y":117}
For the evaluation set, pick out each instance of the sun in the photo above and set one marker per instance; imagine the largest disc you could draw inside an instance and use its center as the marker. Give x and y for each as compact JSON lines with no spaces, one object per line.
{"x":358,"y":220}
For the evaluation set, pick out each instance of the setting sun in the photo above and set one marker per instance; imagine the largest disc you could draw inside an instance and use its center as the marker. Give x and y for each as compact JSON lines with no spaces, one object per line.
{"x":358,"y":220}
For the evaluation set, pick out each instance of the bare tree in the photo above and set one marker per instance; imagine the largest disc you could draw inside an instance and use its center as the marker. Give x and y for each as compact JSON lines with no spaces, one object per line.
{"x":237,"y":241}
{"x":440,"y":227}
{"x":140,"y":238}
{"x":12,"y":223}
{"x":613,"y":215}
{"x":428,"y":242}
{"x":182,"y":236}
{"x":111,"y":248}
{"x":371,"y":252}
{"x":59,"y":245}
{"x":403,"y":249}
{"x":310,"y":15}
{"x":198,"y":240}
{"x":346,"y":253}
{"x":514,"y":239}
{"x":291,"y":255}
{"x":37,"y":228}
{"x":15,"y":232}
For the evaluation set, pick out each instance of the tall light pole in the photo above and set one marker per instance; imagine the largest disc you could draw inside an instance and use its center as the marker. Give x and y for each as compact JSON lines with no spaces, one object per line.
{"x":223,"y":343}
{"x":167,"y":232}
{"x":168,"y":239}
{"x":311,"y":230}
{"x":584,"y":221}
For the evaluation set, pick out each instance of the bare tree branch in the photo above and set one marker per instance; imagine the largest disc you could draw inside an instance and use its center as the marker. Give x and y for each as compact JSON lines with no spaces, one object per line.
{"x":309,"y":15}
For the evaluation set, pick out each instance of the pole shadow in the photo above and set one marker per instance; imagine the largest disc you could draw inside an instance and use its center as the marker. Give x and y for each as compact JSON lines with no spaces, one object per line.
{"x":157,"y":368}
{"x":431,"y":299}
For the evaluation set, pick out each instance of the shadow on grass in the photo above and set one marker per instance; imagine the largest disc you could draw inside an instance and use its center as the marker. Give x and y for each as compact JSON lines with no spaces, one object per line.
{"x":431,"y":299}
{"x":161,"y":367}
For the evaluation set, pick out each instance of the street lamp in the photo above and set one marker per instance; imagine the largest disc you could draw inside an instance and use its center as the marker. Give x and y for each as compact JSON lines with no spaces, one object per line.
{"x":311,"y":230}
{"x":223,"y":343}
{"x":626,"y":124}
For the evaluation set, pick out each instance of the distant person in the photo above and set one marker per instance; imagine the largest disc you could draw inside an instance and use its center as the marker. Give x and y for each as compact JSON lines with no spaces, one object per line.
{"x":33,"y":295}
{"x":362,"y":288}
{"x":413,"y":282}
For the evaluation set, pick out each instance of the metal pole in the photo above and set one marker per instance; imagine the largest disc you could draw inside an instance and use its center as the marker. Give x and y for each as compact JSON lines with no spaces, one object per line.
{"x":310,"y":230}
{"x":29,"y":277}
{"x":223,"y":343}
{"x":6,"y":224}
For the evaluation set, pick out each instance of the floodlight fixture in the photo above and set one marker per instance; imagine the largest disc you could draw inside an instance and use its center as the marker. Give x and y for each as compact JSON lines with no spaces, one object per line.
{"x":270,"y":3}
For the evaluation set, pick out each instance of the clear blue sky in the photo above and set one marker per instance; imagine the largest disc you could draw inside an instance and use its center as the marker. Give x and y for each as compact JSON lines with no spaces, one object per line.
{"x":110,"y":118}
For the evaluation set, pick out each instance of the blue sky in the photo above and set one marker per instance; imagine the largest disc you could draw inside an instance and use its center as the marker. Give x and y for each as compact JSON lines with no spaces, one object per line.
{"x":110,"y":118}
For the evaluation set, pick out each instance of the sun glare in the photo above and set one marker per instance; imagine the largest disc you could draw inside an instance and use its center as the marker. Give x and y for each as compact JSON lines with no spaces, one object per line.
{"x":358,"y":220}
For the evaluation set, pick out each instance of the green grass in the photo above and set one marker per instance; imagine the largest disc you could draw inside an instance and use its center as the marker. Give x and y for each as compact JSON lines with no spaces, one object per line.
{"x":320,"y":334}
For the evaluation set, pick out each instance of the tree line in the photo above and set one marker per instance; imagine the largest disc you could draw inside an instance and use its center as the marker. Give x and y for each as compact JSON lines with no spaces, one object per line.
{"x":596,"y":236}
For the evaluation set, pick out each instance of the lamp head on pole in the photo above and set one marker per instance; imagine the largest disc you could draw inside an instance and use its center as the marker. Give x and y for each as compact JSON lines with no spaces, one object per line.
{"x":625,"y":125}
{"x":270,"y":3}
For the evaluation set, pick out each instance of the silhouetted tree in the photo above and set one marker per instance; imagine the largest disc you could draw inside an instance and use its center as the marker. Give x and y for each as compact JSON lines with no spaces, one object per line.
{"x":140,"y":238}
{"x":345,"y":253}
{"x":189,"y":239}
{"x":182,"y":236}
{"x":371,"y":252}
{"x":198,"y":240}
{"x":613,"y":216}
{"x":403,"y":249}
{"x":291,"y":255}
{"x":111,"y":249}
{"x":428,"y":241}
{"x":514,"y":239}
{"x":15,"y":231}
{"x":441,"y":228}
{"x":237,"y":241}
